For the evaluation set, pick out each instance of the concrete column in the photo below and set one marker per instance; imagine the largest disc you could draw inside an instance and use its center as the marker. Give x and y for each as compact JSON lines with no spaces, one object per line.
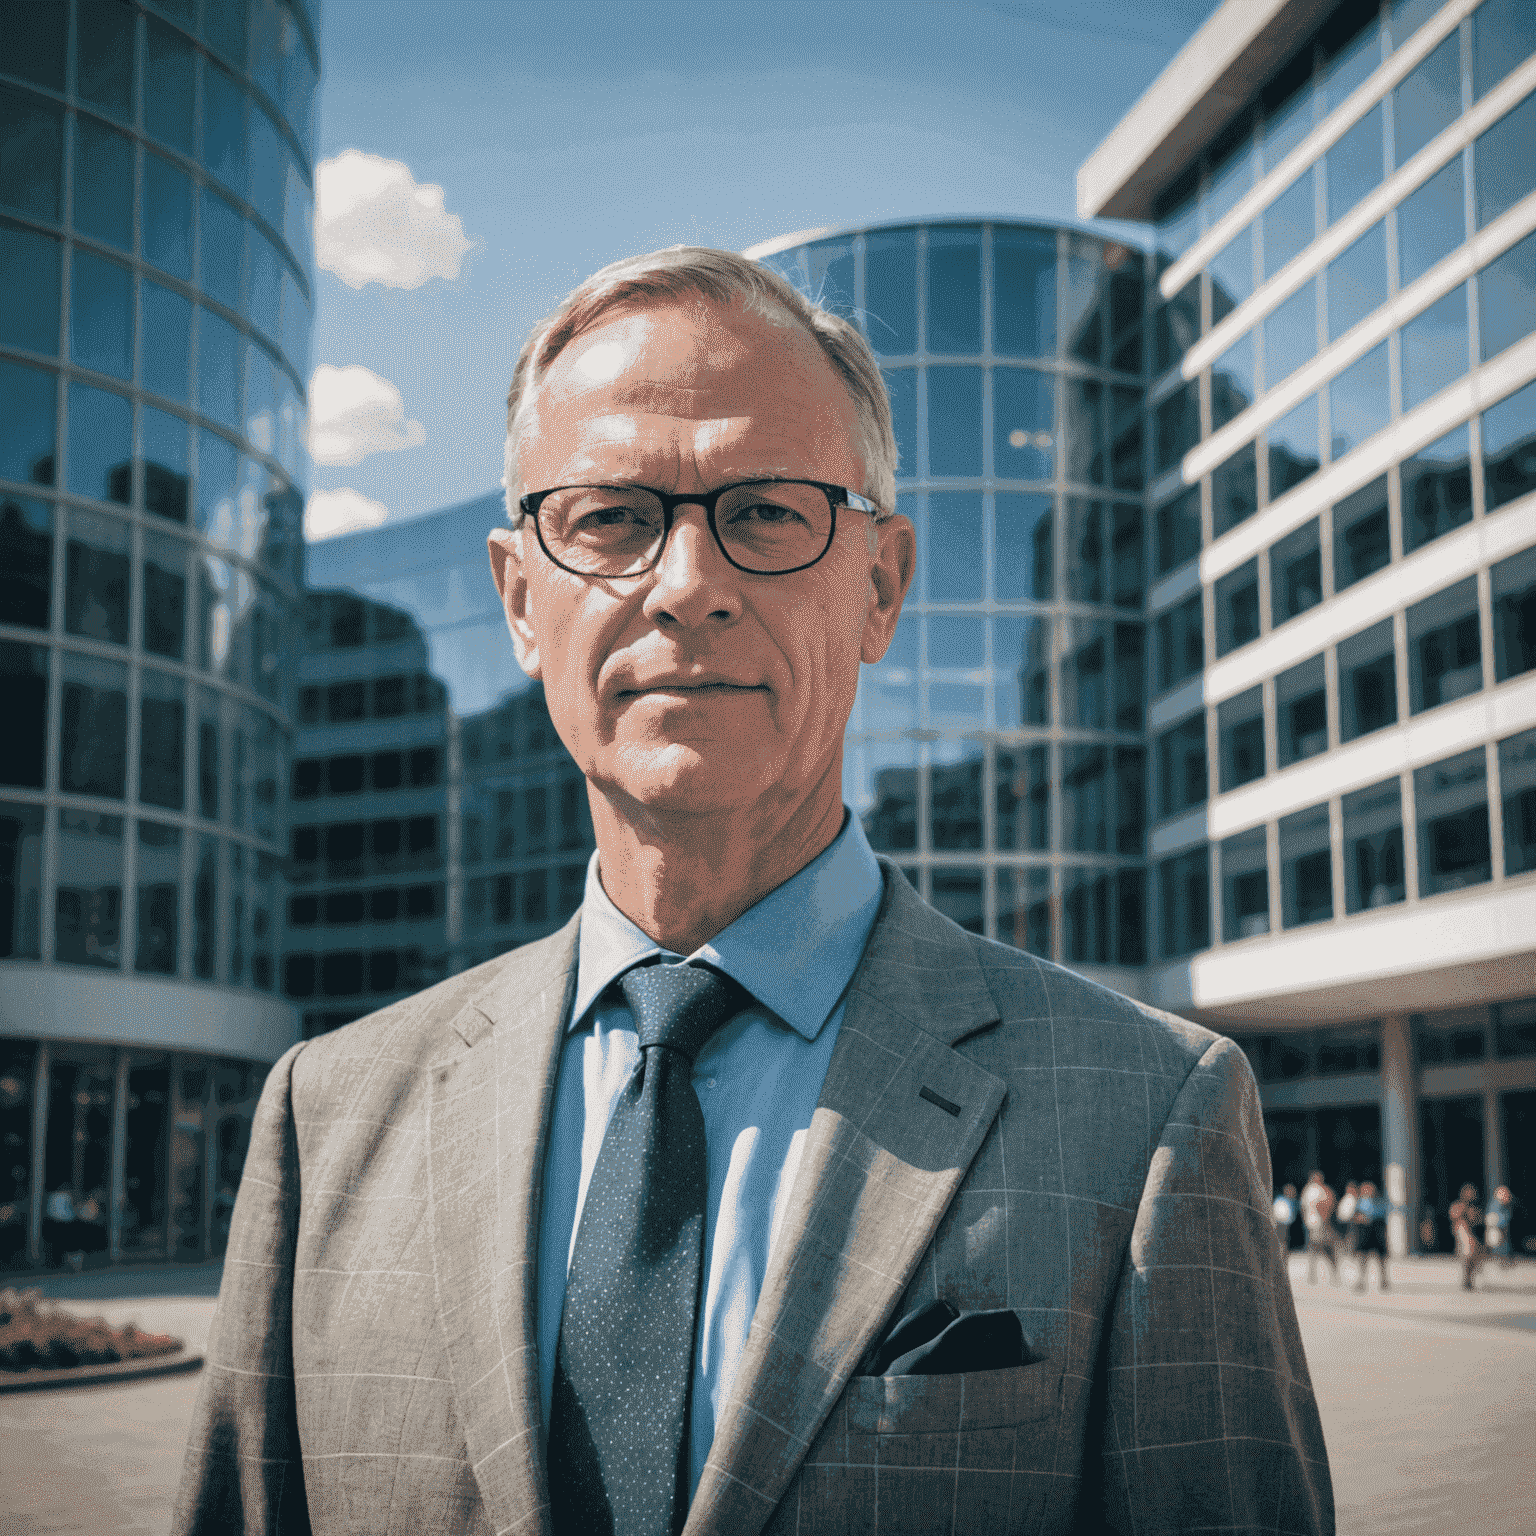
{"x":1399,"y":1133}
{"x":1493,"y":1143}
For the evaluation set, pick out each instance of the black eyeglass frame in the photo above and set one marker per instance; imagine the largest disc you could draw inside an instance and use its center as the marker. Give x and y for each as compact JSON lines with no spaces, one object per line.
{"x":837,"y":496}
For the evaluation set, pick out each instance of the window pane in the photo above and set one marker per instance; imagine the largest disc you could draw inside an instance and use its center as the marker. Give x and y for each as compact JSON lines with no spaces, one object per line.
{"x":159,"y":898}
{"x":1176,"y":327}
{"x":1021,"y":664}
{"x":1293,"y":448}
{"x":1502,"y":162}
{"x":21,"y":897}
{"x":168,"y":85}
{"x":100,"y":444}
{"x":1373,"y":847}
{"x":1290,"y":335}
{"x":956,"y":642}
{"x":1357,"y":281}
{"x":266,"y":167}
{"x":1509,"y":448}
{"x":1429,"y":98}
{"x":1185,"y":888}
{"x":830,"y":261}
{"x":1127,"y":556}
{"x":104,"y":63}
{"x":886,"y":773}
{"x":1240,"y":729}
{"x":1085,"y":675}
{"x":103,"y":183}
{"x":26,"y":561}
{"x":1085,"y":799}
{"x":1287,"y":102}
{"x":1434,"y":348}
{"x":1082,"y":314}
{"x":1180,"y":643}
{"x":1233,"y":382}
{"x":1181,"y":766}
{"x":1359,"y":401}
{"x":36,"y":33}
{"x":26,"y":424}
{"x":1235,"y":490}
{"x":1361,"y":535}
{"x":166,"y":335}
{"x":1444,"y":649}
{"x":24,"y":697}
{"x":1024,"y":414}
{"x":223,"y":249}
{"x":1237,"y":607}
{"x":29,"y":297}
{"x":1301,"y":712}
{"x":1086,"y":901}
{"x":957,"y":894}
{"x":1178,"y":530}
{"x":1023,"y":789}
{"x":31,"y":153}
{"x":224,"y":128}
{"x":1437,"y":489}
{"x":1517,"y":776}
{"x":954,"y":289}
{"x":1514,"y":615}
{"x":1245,"y":886}
{"x":1022,"y":553}
{"x":218,"y":367}
{"x":1231,"y":272}
{"x":101,"y":315}
{"x":94,"y":742}
{"x":96,"y":574}
{"x":167,"y":231}
{"x":1023,"y":293}
{"x":1233,"y":161}
{"x":1290,"y":224}
{"x":1306,"y":868}
{"x":1367,"y":681}
{"x":1503,"y":35}
{"x":890,"y":292}
{"x":954,"y":421}
{"x":1083,"y":431}
{"x":295,"y":332}
{"x":1354,"y":165}
{"x":1086,"y":551}
{"x":1128,"y":688}
{"x":1431,"y":223}
{"x":1296,"y":573}
{"x":165,"y":463}
{"x":165,"y":595}
{"x":162,"y":724}
{"x":954,"y":801}
{"x":1451,"y":800}
{"x":954,"y":546}
{"x":1178,"y":427}
{"x":89,"y":899}
{"x":1024,"y":909}
{"x":1350,"y":43}
{"x":1507,"y":298}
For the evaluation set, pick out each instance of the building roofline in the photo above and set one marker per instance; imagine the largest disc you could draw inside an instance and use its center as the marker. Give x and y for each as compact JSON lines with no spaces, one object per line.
{"x":1216,"y":73}
{"x":777,"y":243}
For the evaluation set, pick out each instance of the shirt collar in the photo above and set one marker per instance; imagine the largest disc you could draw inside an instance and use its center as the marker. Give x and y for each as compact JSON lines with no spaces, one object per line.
{"x":795,"y":951}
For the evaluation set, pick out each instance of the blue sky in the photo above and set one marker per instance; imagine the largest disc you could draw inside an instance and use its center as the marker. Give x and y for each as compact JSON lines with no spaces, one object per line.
{"x":564,"y":135}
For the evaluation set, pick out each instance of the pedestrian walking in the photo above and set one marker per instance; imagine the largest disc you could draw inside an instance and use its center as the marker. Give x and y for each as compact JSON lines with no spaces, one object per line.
{"x":1496,"y":1223}
{"x":1466,"y":1217}
{"x":1317,"y":1204}
{"x":1370,"y":1228}
{"x":1284,"y":1213}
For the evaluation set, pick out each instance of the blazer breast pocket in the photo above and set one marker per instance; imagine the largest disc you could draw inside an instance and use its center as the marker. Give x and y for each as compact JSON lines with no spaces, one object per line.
{"x":953,"y":1404}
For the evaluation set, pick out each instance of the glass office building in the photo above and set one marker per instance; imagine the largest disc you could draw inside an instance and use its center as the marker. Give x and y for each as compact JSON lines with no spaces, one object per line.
{"x":435,"y":820}
{"x":155,"y":240}
{"x":998,"y":751}
{"x":1342,"y":490}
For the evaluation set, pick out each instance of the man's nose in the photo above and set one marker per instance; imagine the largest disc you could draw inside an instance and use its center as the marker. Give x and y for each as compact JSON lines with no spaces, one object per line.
{"x":694,"y":581}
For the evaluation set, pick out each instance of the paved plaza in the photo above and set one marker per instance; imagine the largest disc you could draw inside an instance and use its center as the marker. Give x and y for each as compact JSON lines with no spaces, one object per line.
{"x":1428,"y":1395}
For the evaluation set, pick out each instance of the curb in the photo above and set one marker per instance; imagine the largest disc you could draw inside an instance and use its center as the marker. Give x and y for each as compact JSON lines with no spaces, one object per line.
{"x":90,"y":1375}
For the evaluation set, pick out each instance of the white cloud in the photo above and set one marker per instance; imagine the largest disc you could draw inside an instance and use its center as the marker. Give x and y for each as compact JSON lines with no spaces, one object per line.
{"x":353,"y":412}
{"x":330,"y":513}
{"x":374,"y":223}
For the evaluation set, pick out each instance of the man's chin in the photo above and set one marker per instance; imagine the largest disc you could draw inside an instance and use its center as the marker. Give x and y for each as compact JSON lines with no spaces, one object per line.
{"x":690,"y":779}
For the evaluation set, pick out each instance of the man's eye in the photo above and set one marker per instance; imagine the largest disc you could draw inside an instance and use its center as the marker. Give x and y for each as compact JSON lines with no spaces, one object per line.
{"x":595,"y":519}
{"x":765,"y":512}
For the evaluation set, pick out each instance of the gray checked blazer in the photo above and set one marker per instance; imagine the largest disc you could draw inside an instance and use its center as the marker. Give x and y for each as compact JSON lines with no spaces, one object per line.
{"x":372,"y":1366}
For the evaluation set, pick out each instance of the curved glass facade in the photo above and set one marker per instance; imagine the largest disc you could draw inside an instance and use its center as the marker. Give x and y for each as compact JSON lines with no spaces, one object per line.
{"x":997,"y":751}
{"x":155,"y":234}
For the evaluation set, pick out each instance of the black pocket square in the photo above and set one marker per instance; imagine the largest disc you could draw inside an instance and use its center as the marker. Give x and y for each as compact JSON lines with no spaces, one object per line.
{"x":939,"y":1340}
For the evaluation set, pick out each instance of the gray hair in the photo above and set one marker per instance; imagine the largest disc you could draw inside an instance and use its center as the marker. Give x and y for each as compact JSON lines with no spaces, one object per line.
{"x":721,"y":277}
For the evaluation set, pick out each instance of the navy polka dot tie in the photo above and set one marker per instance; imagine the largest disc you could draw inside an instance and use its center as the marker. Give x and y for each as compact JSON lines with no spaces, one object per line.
{"x":618,"y":1433}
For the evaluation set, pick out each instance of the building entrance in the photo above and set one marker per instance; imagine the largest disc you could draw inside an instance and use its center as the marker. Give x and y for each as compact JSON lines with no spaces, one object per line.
{"x":1450,"y":1155}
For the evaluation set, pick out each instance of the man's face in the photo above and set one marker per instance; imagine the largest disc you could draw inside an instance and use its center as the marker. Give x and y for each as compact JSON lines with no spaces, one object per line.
{"x":698,"y":688}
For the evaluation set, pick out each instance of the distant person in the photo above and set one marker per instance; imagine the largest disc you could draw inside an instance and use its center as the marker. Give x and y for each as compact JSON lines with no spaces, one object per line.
{"x":1344,"y":1216}
{"x":1284,"y":1213}
{"x":1466,"y":1218}
{"x":1317,"y":1204}
{"x":1496,"y":1223}
{"x":1429,"y":1234}
{"x":1370,"y":1229}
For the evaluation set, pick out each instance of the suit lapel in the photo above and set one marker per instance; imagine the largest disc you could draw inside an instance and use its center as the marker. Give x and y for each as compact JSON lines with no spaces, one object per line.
{"x":487,"y":1125}
{"x":881,"y":1163}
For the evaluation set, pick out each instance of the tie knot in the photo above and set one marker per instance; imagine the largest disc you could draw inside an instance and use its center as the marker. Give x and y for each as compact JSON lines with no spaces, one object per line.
{"x":680,"y":1006}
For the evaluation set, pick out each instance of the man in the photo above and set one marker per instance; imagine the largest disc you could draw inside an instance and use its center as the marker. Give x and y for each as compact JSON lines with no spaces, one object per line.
{"x":1283,"y":1212}
{"x":761,"y":1197}
{"x":1497,"y":1220}
{"x":1317,"y":1204}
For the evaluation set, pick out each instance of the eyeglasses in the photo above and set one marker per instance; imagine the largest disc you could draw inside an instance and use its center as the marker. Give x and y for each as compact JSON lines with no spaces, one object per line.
{"x":764,"y":527}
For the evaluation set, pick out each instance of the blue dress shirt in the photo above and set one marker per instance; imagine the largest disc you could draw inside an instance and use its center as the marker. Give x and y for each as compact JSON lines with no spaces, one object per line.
{"x":757,"y":1079}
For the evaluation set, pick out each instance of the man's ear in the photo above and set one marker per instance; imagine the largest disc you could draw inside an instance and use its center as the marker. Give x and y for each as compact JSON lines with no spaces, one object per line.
{"x":505,"y":546}
{"x":889,"y":577}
